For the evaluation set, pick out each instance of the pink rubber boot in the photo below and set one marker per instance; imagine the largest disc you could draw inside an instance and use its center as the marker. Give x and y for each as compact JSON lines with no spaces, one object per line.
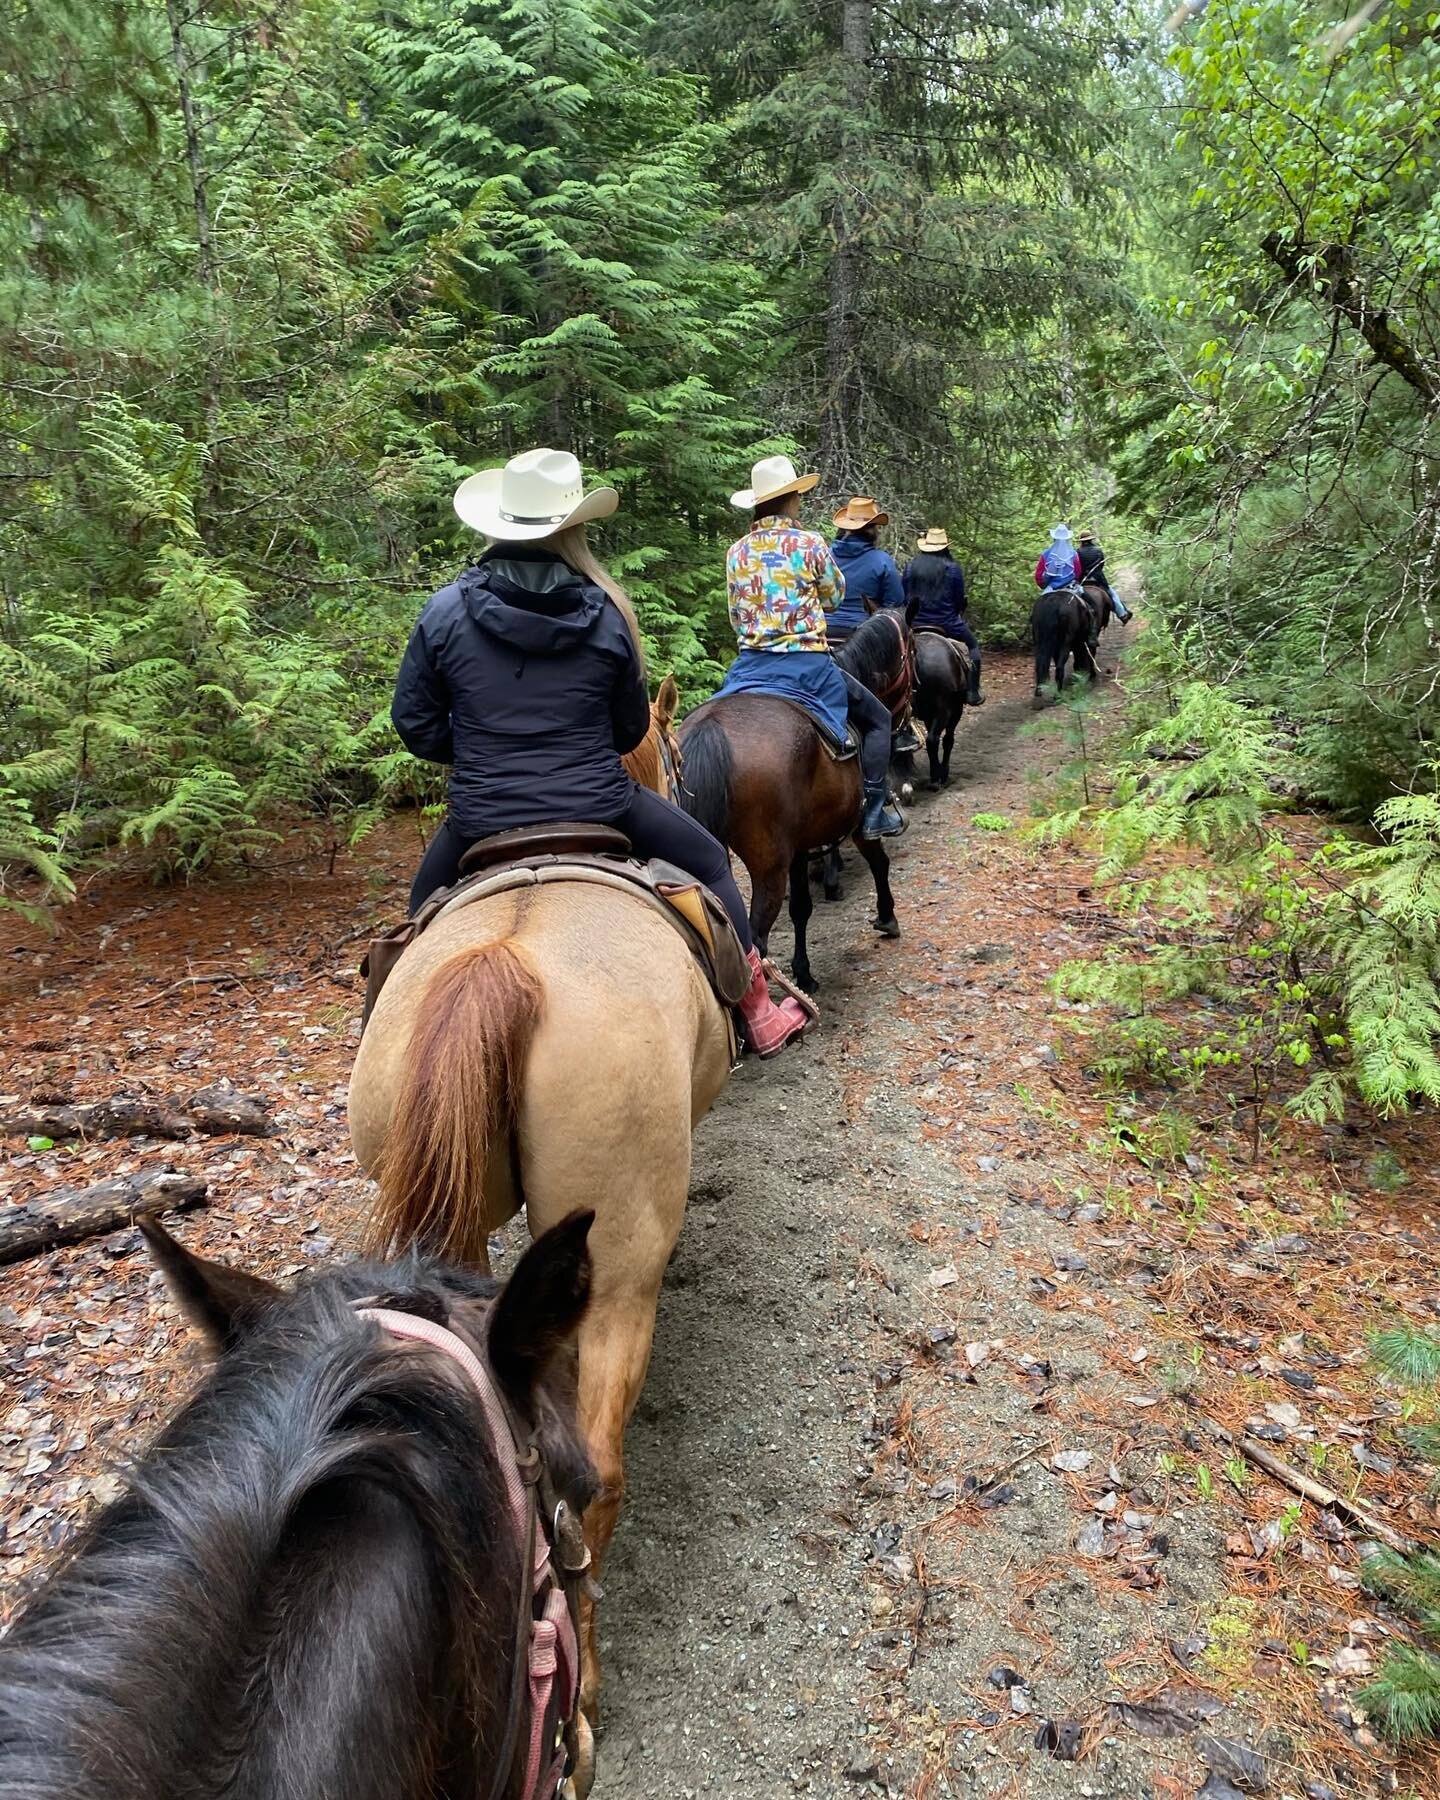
{"x":768,"y":1027}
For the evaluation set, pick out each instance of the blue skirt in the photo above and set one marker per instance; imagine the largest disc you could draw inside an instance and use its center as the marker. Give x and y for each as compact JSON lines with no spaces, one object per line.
{"x":809,"y":677}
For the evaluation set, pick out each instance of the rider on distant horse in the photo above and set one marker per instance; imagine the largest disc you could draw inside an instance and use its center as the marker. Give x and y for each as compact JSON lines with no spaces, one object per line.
{"x":935,"y":578}
{"x":1092,"y":574}
{"x":782,"y":580}
{"x":525,"y":675}
{"x":1059,"y":564}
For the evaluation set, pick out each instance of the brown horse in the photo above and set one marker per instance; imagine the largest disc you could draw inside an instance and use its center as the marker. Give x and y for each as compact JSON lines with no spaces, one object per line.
{"x":759,"y":778}
{"x":312,"y":1584}
{"x":551,"y":1048}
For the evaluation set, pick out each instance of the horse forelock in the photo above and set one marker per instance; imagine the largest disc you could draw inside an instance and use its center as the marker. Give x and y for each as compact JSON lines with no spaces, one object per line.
{"x":308,"y":1587}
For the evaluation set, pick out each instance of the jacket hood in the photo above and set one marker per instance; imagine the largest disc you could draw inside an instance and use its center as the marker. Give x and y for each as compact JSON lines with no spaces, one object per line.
{"x":539,"y":606}
{"x":853,"y":549}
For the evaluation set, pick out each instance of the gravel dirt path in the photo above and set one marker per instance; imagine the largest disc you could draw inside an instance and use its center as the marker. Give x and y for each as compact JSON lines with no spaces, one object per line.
{"x":915,"y":1504}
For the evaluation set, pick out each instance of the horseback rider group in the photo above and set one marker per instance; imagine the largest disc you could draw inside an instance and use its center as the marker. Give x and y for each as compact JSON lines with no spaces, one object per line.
{"x":526,"y":676}
{"x":1064,"y":563}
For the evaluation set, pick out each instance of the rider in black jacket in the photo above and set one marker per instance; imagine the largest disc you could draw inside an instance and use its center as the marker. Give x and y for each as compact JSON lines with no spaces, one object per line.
{"x":1092,"y":569}
{"x":525,"y":676}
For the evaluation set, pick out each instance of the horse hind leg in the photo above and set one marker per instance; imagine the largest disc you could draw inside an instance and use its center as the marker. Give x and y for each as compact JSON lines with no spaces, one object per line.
{"x":832,"y":869}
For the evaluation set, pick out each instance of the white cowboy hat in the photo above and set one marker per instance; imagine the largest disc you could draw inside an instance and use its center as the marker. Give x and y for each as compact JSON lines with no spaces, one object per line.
{"x":770,"y":477}
{"x":1059,"y":533}
{"x":535,"y":495}
{"x":936,"y":538}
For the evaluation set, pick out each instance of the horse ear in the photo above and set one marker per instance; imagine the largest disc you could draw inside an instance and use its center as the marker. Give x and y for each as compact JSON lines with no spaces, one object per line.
{"x":912,"y":606}
{"x":221,"y":1303}
{"x":872,"y":605}
{"x":667,"y":701}
{"x":542,"y":1304}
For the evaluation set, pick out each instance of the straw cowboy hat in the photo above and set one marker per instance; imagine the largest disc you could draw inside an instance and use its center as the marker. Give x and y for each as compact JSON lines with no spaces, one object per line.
{"x":936,"y":538}
{"x":535,"y":495}
{"x":769,"y":478}
{"x":858,"y":512}
{"x":1087,"y":537}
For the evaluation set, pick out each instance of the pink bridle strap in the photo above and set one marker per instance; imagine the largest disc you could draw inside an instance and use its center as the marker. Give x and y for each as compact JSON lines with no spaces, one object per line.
{"x":553,"y":1649}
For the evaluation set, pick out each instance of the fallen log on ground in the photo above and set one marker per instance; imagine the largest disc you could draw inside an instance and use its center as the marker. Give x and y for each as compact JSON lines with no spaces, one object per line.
{"x":1257,"y":1453}
{"x":216,"y":1111}
{"x":72,"y":1214}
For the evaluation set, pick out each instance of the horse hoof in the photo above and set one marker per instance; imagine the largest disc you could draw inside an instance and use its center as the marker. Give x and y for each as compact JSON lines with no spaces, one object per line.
{"x":1038,"y":703}
{"x":888,"y":928}
{"x":804,"y":978}
{"x":932,"y":787}
{"x":832,"y":893}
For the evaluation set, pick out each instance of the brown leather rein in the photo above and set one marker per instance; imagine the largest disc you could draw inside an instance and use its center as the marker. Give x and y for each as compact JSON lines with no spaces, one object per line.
{"x":546,"y":1665}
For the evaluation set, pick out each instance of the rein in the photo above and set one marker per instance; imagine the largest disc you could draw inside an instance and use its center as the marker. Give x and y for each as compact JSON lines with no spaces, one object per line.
{"x":547,"y":1645}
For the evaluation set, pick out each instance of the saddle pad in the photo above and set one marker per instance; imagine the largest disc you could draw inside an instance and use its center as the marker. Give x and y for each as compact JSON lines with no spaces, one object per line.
{"x":687,"y":906}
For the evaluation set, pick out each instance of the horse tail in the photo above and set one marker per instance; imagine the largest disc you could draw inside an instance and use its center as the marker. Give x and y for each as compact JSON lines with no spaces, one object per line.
{"x":458,"y":1101}
{"x":708,"y":771}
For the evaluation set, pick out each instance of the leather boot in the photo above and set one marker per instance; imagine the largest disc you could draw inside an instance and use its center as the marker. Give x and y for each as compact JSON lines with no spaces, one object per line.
{"x":974,"y":697}
{"x":768,"y":1027}
{"x":881,"y":819}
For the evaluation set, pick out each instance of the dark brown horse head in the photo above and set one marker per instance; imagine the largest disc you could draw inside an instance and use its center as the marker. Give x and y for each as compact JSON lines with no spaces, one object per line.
{"x":311,"y":1582}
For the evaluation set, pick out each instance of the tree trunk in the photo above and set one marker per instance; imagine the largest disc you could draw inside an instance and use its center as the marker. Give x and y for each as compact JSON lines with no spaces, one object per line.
{"x":204,"y":243}
{"x":842,"y":403}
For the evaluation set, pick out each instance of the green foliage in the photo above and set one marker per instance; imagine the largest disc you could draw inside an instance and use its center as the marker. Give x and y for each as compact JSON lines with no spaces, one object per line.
{"x":1404,"y":1698}
{"x":1255,"y":968}
{"x":1272,"y":408}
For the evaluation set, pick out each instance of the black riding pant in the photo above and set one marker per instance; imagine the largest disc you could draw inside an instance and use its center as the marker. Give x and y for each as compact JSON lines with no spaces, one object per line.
{"x":654,"y":826}
{"x":871,"y":719}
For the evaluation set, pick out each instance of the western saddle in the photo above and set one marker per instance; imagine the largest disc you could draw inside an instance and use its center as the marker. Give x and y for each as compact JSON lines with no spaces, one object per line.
{"x":541,"y":854}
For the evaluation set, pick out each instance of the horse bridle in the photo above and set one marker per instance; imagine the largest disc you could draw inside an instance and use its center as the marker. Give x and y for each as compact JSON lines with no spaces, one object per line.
{"x":547,"y":1626}
{"x":896,"y":692}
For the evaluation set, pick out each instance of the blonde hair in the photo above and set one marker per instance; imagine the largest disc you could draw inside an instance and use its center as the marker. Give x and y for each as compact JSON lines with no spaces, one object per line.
{"x":572,"y":546}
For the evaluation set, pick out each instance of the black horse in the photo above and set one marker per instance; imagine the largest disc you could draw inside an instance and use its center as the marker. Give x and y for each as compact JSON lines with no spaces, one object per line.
{"x":313,"y":1583}
{"x":1062,"y":625}
{"x":942,"y":686}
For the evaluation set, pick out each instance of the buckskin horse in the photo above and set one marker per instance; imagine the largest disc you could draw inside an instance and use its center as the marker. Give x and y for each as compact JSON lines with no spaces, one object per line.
{"x":1061,"y":624}
{"x":759,"y":777}
{"x":321,"y":1578}
{"x":549,"y":1048}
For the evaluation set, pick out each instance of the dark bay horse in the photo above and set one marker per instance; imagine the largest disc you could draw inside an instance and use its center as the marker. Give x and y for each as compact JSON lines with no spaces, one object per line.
{"x":758,"y":777}
{"x":942,"y":685}
{"x":1061,"y":625}
{"x":314,"y":1583}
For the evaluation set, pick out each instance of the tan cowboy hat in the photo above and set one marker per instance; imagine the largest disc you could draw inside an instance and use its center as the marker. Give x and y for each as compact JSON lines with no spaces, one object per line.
{"x":1087,"y":537}
{"x":769,"y":478}
{"x":535,"y":495}
{"x":858,"y":512}
{"x":936,"y":538}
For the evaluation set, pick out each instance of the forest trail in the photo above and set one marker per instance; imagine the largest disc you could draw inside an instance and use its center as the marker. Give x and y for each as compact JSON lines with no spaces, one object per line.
{"x":908,"y":1479}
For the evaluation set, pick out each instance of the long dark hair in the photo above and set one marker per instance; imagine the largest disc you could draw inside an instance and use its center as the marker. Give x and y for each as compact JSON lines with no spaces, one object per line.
{"x":927,"y":572}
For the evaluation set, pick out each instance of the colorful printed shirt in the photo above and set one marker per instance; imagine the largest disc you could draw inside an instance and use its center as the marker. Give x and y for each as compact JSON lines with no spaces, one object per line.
{"x":782,"y":581}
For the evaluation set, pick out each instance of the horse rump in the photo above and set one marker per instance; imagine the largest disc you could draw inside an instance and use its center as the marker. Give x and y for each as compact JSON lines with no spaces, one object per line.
{"x":457,"y":1105}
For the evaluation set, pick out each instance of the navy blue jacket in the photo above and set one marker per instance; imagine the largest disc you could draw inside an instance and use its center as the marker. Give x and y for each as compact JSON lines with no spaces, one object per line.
{"x":940,"y":582}
{"x":869,"y":573}
{"x":523,"y":677}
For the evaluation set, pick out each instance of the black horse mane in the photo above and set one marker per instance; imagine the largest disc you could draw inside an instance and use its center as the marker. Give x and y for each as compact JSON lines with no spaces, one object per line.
{"x":872,"y":651}
{"x":308,"y":1587}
